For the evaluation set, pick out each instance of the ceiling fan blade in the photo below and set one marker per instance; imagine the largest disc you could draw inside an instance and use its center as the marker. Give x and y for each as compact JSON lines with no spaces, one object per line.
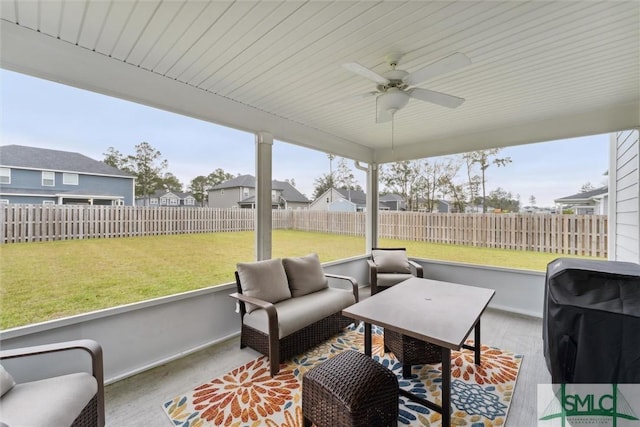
{"x":365,"y":72}
{"x":445,"y":65}
{"x":436,"y":97}
{"x":382,"y":116}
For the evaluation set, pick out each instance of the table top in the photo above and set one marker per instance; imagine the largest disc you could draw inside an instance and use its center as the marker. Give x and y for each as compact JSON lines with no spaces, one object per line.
{"x":438,"y":312}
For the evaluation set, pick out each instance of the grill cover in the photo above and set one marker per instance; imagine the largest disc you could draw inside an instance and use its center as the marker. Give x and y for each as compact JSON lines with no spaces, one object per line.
{"x":591,"y":321}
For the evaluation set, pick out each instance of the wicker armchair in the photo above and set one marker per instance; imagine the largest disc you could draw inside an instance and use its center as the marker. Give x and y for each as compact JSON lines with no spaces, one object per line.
{"x":75,"y":399}
{"x":390,"y":266}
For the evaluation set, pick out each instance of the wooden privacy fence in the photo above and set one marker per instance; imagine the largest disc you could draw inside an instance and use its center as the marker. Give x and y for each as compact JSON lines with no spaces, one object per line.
{"x":562,"y":234}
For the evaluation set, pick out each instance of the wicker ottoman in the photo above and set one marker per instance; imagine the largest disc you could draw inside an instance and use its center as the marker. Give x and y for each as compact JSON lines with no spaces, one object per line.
{"x":350,"y":389}
{"x":410,"y":351}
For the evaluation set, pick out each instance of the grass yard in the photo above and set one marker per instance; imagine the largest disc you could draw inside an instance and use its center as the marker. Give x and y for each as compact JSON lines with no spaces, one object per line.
{"x":47,"y":280}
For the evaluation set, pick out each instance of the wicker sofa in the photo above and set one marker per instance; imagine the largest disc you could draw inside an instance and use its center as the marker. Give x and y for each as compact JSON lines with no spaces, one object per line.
{"x":287,"y":306}
{"x":74,"y":399}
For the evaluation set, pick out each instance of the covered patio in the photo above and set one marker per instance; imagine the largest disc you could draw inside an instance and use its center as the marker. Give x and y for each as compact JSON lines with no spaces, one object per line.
{"x":539,"y":71}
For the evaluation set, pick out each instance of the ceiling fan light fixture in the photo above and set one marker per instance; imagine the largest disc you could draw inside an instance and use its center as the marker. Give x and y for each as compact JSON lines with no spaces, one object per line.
{"x":393,"y":100}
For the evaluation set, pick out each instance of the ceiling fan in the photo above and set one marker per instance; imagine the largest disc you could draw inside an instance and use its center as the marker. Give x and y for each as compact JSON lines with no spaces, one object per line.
{"x":396,"y":87}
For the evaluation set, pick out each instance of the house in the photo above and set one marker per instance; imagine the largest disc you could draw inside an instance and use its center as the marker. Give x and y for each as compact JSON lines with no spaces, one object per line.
{"x":240,"y":192}
{"x":346,"y":200}
{"x":392,"y":202}
{"x":31,"y":175}
{"x":340,"y":200}
{"x":439,"y":206}
{"x":167,"y":198}
{"x":594,"y":202}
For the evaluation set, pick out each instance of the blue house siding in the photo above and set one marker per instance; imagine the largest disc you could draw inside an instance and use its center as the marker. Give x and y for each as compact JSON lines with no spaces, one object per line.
{"x":101,"y":189}
{"x":97,"y":183}
{"x":110,"y":184}
{"x":28,"y":200}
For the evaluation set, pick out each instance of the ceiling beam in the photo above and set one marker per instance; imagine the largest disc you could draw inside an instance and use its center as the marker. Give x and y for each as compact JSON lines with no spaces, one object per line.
{"x":602,"y":121}
{"x":39,"y":55}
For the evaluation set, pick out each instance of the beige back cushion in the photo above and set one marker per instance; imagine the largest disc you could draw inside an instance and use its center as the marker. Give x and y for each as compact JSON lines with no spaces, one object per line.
{"x":305,"y":274}
{"x":265,"y":280}
{"x":391,"y":261}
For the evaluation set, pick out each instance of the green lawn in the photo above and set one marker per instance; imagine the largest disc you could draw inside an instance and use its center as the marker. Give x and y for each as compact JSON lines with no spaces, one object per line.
{"x":47,"y":280}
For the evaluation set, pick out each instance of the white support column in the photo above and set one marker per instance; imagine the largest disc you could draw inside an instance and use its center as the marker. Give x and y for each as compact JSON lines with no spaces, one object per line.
{"x":264,"y":146}
{"x":371,"y":222}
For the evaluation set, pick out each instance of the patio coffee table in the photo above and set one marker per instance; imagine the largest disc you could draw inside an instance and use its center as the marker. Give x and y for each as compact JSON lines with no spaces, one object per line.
{"x":441,"y":313}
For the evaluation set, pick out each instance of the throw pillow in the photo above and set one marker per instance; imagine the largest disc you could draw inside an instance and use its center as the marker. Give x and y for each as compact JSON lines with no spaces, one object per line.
{"x":6,"y":381}
{"x":265,"y":280}
{"x":391,"y":261}
{"x":305,"y":274}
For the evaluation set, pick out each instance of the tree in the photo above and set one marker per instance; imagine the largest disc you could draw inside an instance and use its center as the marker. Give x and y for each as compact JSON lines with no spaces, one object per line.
{"x":457,"y":194}
{"x":438,"y":176}
{"x":218,"y":176}
{"x":473,"y":181}
{"x":586,"y":187}
{"x":171,"y":182}
{"x":199,"y":188}
{"x":532,"y":200}
{"x":322,"y":184}
{"x":116,"y":159}
{"x":326,"y":181}
{"x":148,"y":167}
{"x":484,"y":159}
{"x":503,"y":200}
{"x":400,"y":178}
{"x":200,"y":185}
{"x":344,"y":177}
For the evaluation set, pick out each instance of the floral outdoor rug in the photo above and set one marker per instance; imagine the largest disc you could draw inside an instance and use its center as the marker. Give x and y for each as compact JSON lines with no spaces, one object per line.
{"x":249,"y":396}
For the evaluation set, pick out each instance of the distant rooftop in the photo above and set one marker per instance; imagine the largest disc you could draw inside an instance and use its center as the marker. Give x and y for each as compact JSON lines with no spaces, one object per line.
{"x":289,"y":192}
{"x":586,"y":195}
{"x":20,"y":156}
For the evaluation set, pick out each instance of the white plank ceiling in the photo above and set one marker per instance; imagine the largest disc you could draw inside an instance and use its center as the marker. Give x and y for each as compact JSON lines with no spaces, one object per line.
{"x":541,"y":70}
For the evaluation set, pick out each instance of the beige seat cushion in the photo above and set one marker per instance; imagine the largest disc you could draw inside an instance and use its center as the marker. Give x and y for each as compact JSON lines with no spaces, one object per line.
{"x":6,"y":381}
{"x":53,"y":401}
{"x":391,"y":261}
{"x":265,"y":280}
{"x":296,"y":313}
{"x":390,"y":279}
{"x":305,"y":274}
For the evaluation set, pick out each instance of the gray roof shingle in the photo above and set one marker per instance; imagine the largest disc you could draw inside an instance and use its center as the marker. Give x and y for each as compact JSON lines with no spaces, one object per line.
{"x":586,"y":195}
{"x":356,"y":196}
{"x":238,"y":181}
{"x":20,"y":156}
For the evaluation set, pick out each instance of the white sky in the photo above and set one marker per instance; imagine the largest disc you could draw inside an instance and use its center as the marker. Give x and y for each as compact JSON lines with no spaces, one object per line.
{"x":45,"y":114}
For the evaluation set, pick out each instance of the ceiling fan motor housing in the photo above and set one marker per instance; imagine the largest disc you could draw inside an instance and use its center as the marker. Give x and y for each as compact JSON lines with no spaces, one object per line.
{"x":393,"y":100}
{"x":395,"y":80}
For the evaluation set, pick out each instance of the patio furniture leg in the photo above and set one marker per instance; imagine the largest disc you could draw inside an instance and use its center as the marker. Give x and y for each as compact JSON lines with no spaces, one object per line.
{"x":274,"y":354}
{"x":406,"y":370}
{"x":476,"y":343}
{"x":367,"y":339}
{"x":446,"y":386}
{"x":476,"y":339}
